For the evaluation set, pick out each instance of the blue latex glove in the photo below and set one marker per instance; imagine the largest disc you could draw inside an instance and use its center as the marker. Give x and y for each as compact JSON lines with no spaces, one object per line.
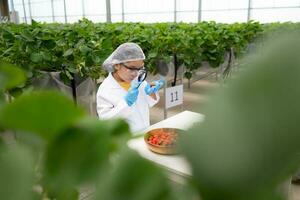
{"x":156,"y":86}
{"x":132,"y":93}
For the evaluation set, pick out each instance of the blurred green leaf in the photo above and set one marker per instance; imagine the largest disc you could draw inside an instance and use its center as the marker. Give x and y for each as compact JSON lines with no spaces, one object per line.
{"x":78,"y":153}
{"x":1,"y":142}
{"x":188,"y":75}
{"x":2,"y":101}
{"x":36,"y":57}
{"x":84,"y":49}
{"x":63,"y":194}
{"x":43,"y":113}
{"x":119,"y":131}
{"x":118,"y":127}
{"x":133,"y":178}
{"x":16,"y":172}
{"x":68,"y":53}
{"x":26,"y":35}
{"x":253,"y":149}
{"x":10,"y":76}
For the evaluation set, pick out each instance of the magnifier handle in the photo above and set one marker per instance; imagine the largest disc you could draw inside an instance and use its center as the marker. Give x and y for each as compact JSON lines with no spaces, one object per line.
{"x":139,"y":84}
{"x":136,"y":85}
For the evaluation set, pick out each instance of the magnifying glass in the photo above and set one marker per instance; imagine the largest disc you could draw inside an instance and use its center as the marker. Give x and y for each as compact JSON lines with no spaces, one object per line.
{"x":142,"y":75}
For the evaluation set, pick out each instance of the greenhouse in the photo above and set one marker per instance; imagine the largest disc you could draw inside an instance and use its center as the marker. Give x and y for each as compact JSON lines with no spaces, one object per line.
{"x":149,"y":100}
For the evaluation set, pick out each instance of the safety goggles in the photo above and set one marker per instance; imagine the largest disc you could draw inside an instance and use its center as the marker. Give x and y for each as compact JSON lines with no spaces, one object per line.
{"x":133,"y":69}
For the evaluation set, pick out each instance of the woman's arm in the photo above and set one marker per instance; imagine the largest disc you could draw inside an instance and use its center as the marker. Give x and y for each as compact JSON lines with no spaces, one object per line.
{"x":107,"y":110}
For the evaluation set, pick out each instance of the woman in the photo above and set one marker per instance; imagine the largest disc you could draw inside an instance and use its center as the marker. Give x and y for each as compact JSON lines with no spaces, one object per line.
{"x":121,"y":94}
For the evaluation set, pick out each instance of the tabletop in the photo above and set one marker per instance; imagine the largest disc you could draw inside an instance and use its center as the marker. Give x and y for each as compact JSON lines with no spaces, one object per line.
{"x":175,"y":163}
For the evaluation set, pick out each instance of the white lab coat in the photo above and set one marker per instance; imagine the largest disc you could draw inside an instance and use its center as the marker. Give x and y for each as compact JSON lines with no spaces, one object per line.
{"x":111,"y":104}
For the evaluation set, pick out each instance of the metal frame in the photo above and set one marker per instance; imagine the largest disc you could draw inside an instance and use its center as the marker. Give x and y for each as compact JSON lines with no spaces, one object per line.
{"x":199,"y":10}
{"x":52,"y":11}
{"x":83,"y":8}
{"x":29,"y":7}
{"x":175,"y":10}
{"x":108,"y":11}
{"x":24,"y":10}
{"x":249,"y":10}
{"x":123,"y":12}
{"x":12,"y":5}
{"x":65,"y":12}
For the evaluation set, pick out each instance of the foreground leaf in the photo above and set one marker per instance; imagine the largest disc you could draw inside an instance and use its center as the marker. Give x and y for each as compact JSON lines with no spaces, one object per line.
{"x":43,"y":113}
{"x":248,"y":144}
{"x":77,"y":155}
{"x":133,"y":178}
{"x":16,"y":172}
{"x":10,"y":76}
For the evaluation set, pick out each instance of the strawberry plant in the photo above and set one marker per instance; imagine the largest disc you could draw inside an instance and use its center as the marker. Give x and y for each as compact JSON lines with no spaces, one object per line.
{"x":81,"y":47}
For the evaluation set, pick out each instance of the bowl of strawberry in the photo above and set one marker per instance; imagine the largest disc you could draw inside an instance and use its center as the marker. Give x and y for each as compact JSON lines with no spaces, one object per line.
{"x":162,"y":140}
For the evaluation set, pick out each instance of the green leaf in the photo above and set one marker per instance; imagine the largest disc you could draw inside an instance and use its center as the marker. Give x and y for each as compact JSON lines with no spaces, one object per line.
{"x":68,"y":53}
{"x":106,"y":44}
{"x":1,"y":142}
{"x":63,"y":194}
{"x":46,"y":56}
{"x":27,"y":35}
{"x":78,"y":154}
{"x":16,"y":172}
{"x":10,"y":76}
{"x":36,"y":57}
{"x":188,"y":75}
{"x":152,"y":55}
{"x":96,"y":59}
{"x":119,"y":131}
{"x":72,"y":70}
{"x":34,"y":23}
{"x":43,"y":113}
{"x":84,"y":49}
{"x":68,"y":74}
{"x":255,"y":146}
{"x":133,"y":178}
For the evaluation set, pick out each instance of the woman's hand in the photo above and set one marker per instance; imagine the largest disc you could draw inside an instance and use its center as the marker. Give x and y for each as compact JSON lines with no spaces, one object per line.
{"x":154,"y":87}
{"x":132,"y":93}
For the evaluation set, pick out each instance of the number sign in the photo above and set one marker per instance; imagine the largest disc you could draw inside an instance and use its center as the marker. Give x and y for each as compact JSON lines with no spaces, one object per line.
{"x":174,"y":96}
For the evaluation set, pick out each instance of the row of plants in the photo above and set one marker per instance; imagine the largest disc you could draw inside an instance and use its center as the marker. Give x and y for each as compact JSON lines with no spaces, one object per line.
{"x":251,"y":152}
{"x":277,"y":29}
{"x":82,"y":47}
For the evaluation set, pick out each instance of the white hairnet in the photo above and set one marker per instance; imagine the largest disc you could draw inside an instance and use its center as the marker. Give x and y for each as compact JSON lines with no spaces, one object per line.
{"x":124,"y":53}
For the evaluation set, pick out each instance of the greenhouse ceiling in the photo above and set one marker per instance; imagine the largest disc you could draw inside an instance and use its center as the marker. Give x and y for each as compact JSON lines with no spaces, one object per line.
{"x":149,"y":11}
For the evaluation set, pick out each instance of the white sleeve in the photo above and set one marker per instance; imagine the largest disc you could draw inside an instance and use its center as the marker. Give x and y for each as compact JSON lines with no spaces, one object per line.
{"x":107,"y":110}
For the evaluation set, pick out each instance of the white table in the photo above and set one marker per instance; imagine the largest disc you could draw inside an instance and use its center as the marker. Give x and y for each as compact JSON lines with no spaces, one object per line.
{"x":175,"y":163}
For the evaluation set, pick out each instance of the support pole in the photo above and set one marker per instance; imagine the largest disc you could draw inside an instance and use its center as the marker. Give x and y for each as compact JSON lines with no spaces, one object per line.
{"x":4,"y":11}
{"x":24,"y":10}
{"x":199,"y":10}
{"x":29,"y":7}
{"x":12,"y":5}
{"x":249,"y":10}
{"x":175,"y":10}
{"x":108,"y":11}
{"x":52,"y":11}
{"x":123,"y":13}
{"x":83,"y":8}
{"x":65,"y":12}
